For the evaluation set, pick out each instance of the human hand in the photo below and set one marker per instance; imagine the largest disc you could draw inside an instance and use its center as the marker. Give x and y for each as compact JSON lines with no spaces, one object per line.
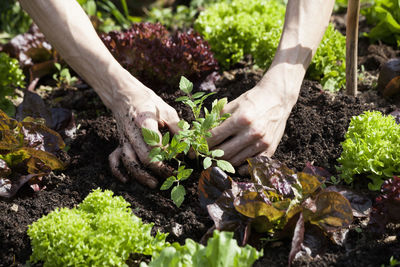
{"x":135,"y":109}
{"x":256,"y":125}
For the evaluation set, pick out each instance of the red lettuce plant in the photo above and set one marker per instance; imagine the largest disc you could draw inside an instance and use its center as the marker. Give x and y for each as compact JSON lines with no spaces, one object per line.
{"x":277,"y":201}
{"x":387,"y":206}
{"x":155,"y":56}
{"x":26,"y":152}
{"x":34,"y":52}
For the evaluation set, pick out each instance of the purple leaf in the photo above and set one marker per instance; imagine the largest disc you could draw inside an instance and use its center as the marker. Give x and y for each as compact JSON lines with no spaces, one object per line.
{"x":212,"y":183}
{"x":360,"y":204}
{"x":297,"y":240}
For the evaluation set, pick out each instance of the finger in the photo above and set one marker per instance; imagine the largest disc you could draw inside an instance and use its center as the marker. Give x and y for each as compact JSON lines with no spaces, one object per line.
{"x":171,"y":120}
{"x":246,"y":153}
{"x":132,"y":165}
{"x":113,"y":160}
{"x":238,"y":143}
{"x":222,"y":132}
{"x":135,"y":138}
{"x":148,"y":120}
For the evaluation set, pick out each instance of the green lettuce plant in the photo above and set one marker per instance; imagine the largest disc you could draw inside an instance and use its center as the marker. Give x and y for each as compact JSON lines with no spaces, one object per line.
{"x":384,"y":15}
{"x":371,"y":148}
{"x":11,"y":77}
{"x":101,"y":231}
{"x":222,"y":250}
{"x":240,"y":27}
{"x":189,"y":137}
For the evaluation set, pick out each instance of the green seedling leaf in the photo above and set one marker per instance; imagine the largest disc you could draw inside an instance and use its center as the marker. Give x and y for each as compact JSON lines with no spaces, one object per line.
{"x":182,"y":99}
{"x":207,"y":162}
{"x":217,"y":153}
{"x":184,"y":174}
{"x":165,"y":139}
{"x":168,"y":183}
{"x":185,"y":85}
{"x":155,"y":154}
{"x":198,"y":95}
{"x":178,"y":195}
{"x":209,"y":121}
{"x":58,"y":66}
{"x":218,"y":105}
{"x":150,"y":137}
{"x":184,"y":125}
{"x":225,"y":166}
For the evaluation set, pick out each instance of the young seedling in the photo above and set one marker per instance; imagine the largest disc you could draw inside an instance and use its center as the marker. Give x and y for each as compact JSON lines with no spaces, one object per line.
{"x":192,"y":136}
{"x":63,"y":76}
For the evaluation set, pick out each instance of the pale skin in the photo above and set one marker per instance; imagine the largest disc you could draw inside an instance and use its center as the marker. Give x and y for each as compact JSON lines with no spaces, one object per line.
{"x":258,"y":116}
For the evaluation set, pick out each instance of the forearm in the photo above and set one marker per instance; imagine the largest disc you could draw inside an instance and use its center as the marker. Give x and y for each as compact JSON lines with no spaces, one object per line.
{"x":68,"y":29}
{"x":305,"y":24}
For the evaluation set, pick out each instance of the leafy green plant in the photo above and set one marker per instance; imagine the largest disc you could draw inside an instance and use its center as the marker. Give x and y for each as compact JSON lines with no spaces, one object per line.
{"x":63,"y":76}
{"x":13,"y":20}
{"x":190,"y":137}
{"x":221,"y":251}
{"x":101,"y":231}
{"x":173,"y":19}
{"x":11,"y":76}
{"x":384,"y":15}
{"x":371,"y":148}
{"x":253,"y":27}
{"x":106,"y":16}
{"x":328,"y":64}
{"x":27,"y":152}
{"x":277,"y":201}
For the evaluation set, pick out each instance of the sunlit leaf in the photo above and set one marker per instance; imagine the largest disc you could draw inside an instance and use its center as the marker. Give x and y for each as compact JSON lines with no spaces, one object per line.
{"x":178,"y":195}
{"x":309,"y":183}
{"x":184,"y":174}
{"x":168,"y":183}
{"x":252,"y":205}
{"x":225,"y":166}
{"x":332,"y":211}
{"x":165,"y":139}
{"x":150,"y":137}
{"x":207,"y":162}
{"x":47,"y":158}
{"x":217,"y":153}
{"x":185,"y":85}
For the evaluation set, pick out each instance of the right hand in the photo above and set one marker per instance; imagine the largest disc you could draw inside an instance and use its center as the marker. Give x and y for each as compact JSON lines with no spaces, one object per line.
{"x":137,"y":106}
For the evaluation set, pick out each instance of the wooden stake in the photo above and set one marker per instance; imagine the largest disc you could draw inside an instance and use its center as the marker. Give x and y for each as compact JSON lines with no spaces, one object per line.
{"x":353,"y":11}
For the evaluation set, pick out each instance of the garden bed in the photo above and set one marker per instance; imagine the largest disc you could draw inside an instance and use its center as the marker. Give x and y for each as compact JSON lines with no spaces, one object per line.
{"x":314,"y":131}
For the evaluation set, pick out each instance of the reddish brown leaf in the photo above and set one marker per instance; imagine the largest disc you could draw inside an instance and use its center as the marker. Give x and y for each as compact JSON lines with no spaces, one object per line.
{"x":333,"y":211}
{"x":360,"y":204}
{"x":297,"y":240}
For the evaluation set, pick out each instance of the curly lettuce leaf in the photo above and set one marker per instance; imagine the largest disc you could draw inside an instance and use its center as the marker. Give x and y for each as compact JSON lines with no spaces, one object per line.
{"x":221,"y":251}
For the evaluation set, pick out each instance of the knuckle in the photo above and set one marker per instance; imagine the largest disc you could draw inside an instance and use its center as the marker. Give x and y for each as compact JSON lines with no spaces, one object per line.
{"x":263,"y":144}
{"x":245,"y":120}
{"x":257,"y":133}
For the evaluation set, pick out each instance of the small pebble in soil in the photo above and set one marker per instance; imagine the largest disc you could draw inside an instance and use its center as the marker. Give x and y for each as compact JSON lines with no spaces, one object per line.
{"x":14,"y":208}
{"x":177,"y":229}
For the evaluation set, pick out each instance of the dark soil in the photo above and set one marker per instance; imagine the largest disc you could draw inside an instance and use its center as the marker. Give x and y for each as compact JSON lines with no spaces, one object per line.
{"x":313,"y":134}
